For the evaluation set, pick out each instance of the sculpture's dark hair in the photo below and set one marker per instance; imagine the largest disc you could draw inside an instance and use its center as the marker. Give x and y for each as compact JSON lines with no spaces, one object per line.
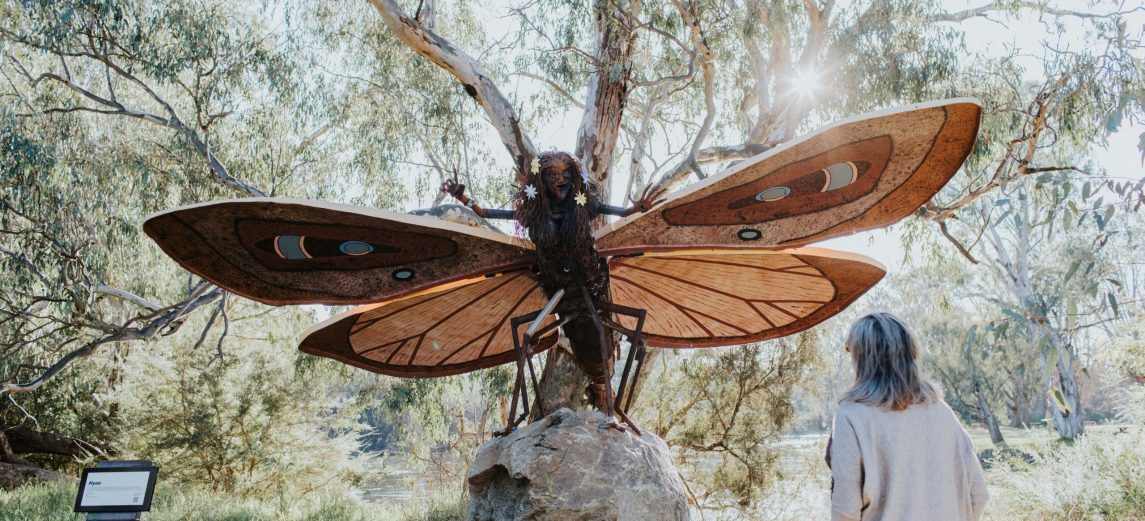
{"x":575,"y":231}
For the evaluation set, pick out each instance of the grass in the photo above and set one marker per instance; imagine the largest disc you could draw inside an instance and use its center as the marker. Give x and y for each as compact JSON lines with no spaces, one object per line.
{"x":1100,"y":477}
{"x":1034,"y":438}
{"x":54,"y":502}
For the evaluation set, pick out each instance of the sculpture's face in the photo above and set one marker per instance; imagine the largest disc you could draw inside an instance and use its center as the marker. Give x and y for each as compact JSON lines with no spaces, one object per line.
{"x":559,"y":180}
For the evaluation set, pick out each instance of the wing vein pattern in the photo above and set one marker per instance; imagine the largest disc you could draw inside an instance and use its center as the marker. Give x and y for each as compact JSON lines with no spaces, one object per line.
{"x":712,"y":298}
{"x":455,"y":330}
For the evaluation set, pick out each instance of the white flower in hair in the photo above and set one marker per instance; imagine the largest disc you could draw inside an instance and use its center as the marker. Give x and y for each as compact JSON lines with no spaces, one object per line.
{"x":530,"y":191}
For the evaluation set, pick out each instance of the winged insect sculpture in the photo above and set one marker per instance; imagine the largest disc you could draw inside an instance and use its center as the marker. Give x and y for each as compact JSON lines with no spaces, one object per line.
{"x":721,"y":262}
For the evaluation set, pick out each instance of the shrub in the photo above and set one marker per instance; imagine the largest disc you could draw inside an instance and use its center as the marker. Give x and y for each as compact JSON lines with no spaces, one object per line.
{"x":1101,"y":476}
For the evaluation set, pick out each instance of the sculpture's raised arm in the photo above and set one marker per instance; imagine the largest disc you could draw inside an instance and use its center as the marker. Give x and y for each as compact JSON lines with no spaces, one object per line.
{"x":651,"y":196}
{"x":457,"y":190}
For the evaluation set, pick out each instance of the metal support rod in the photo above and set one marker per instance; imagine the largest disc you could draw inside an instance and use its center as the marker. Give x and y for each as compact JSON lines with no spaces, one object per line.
{"x":546,"y":311}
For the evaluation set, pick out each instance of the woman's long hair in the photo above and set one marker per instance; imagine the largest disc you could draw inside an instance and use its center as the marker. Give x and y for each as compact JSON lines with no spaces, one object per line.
{"x":885,"y":357}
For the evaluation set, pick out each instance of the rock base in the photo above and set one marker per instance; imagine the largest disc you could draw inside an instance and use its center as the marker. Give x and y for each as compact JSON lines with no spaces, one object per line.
{"x":568,"y":466}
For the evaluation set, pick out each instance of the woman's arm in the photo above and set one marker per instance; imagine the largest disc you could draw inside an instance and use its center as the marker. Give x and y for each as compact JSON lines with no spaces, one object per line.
{"x":846,"y":464}
{"x":978,"y":492}
{"x":457,"y":190}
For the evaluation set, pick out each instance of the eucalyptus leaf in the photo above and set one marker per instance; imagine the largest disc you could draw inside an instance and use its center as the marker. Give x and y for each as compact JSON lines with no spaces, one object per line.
{"x":1060,"y":401}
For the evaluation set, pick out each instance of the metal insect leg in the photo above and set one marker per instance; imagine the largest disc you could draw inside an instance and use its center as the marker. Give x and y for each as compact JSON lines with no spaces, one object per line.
{"x":522,"y":347}
{"x":641,"y":350}
{"x":635,"y":352}
{"x":609,"y":397}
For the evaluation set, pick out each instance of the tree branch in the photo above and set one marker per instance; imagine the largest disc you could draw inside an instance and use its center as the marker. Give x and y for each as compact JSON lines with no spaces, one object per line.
{"x":1020,"y":150}
{"x":676,"y":175}
{"x":168,"y":318}
{"x":218,"y":169}
{"x":996,"y":6}
{"x":709,"y":71}
{"x":961,"y":249}
{"x":473,"y":78}
{"x":128,"y":296}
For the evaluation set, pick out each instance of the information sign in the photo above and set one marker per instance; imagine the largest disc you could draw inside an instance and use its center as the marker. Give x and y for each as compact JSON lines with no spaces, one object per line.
{"x":116,"y":489}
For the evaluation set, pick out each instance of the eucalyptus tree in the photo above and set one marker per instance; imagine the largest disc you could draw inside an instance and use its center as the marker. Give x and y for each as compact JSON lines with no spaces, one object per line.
{"x":1036,"y":209}
{"x":111,"y":111}
{"x":1060,"y":261}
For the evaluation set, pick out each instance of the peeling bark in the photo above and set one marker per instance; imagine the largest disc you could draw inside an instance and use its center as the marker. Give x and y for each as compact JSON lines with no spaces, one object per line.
{"x":1067,"y":423}
{"x":424,"y":41}
{"x":608,"y":90}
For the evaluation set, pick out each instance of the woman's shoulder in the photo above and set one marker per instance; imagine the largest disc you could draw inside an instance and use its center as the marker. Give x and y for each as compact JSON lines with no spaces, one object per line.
{"x":857,"y":409}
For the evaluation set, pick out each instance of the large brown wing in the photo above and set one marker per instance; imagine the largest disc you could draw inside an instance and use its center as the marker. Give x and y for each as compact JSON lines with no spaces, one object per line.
{"x":714,"y":298}
{"x":287,"y":251}
{"x":859,"y":174}
{"x":452,"y":329}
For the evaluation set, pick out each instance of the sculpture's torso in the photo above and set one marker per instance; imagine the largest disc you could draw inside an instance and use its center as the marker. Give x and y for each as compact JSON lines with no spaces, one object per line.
{"x":571,"y":269}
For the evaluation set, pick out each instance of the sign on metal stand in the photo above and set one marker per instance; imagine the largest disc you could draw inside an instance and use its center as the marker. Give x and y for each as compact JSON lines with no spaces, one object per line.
{"x":117,"y":490}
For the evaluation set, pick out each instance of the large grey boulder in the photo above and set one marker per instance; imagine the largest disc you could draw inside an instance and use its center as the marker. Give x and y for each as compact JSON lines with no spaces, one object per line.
{"x":569,"y":466}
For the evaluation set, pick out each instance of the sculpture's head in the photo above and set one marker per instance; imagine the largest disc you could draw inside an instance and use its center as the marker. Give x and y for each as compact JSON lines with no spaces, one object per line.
{"x":560,"y":174}
{"x":556,"y":191}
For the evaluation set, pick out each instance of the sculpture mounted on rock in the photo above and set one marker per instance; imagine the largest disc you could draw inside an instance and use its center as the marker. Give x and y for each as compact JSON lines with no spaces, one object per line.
{"x":720,"y":262}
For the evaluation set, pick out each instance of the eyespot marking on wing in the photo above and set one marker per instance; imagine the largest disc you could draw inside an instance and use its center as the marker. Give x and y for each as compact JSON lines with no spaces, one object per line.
{"x":773,"y":194}
{"x":294,"y":246}
{"x":356,"y":248}
{"x":297,"y":247}
{"x":749,"y":234}
{"x":840,"y":175}
{"x":836,"y":176}
{"x":403,"y":274}
{"x":287,"y":246}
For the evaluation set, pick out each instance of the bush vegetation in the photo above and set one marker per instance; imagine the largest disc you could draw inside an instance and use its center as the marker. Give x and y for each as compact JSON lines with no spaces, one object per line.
{"x":54,"y":502}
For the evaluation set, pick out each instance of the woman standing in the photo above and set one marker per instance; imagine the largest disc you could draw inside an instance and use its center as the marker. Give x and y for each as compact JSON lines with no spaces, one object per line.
{"x":897,"y":451}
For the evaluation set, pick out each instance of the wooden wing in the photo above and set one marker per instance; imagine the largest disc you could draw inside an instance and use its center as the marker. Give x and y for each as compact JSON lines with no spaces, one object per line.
{"x":859,"y":174}
{"x":451,"y":329}
{"x":287,"y":251}
{"x":709,"y":298}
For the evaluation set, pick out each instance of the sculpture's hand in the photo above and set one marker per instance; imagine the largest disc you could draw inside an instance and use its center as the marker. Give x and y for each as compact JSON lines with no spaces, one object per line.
{"x":454,"y":188}
{"x":650,"y":197}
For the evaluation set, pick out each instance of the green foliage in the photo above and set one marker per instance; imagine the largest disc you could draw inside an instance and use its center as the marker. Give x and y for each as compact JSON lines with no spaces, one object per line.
{"x":439,"y":423}
{"x":1098,"y":477}
{"x":244,"y":422}
{"x":722,"y":412}
{"x":441,"y":511}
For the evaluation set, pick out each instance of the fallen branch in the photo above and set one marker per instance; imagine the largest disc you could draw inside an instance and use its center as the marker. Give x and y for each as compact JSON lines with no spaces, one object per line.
{"x":165,"y":319}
